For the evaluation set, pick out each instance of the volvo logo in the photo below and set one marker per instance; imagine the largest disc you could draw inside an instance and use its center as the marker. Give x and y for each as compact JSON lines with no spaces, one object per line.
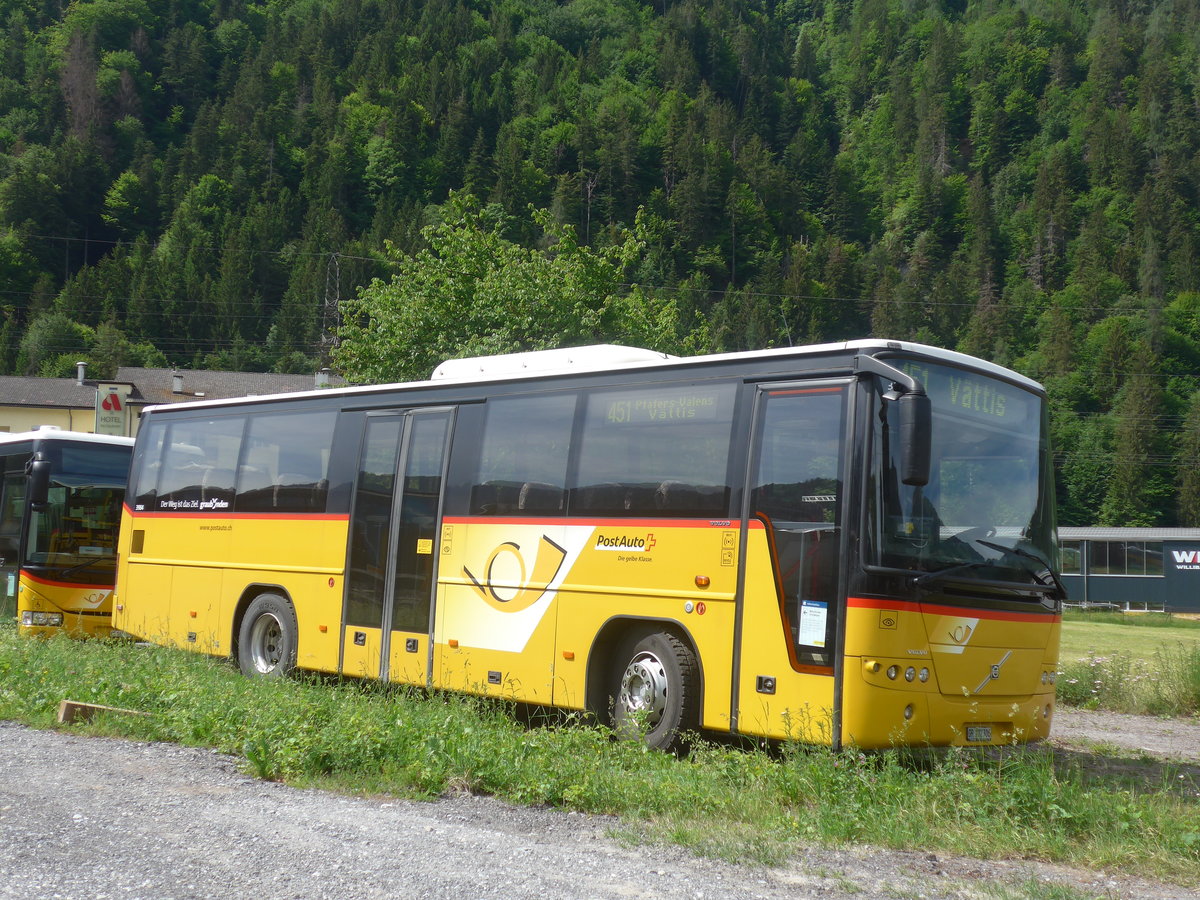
{"x":994,"y":673}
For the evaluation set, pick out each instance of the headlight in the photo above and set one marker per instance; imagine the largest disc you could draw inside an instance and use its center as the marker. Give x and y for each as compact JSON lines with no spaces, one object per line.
{"x":32,"y":617}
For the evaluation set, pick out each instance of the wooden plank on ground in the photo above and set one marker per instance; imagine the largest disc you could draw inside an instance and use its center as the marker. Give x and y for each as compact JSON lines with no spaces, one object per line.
{"x":70,"y":711}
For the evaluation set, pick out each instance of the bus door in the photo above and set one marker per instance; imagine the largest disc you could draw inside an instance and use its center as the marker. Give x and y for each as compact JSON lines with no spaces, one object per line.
{"x":12,"y":517}
{"x":793,"y":595}
{"x":392,"y":568}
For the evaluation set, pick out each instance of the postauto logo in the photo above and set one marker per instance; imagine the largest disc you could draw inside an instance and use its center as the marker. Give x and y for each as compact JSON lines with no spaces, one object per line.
{"x":641,"y":543}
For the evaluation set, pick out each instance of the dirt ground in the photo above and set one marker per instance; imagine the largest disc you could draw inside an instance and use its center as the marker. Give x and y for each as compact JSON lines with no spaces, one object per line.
{"x":144,"y":820}
{"x":1170,"y":739}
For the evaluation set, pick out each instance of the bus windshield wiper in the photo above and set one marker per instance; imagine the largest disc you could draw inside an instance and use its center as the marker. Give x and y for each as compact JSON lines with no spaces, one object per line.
{"x":951,"y":571}
{"x":83,"y":565}
{"x":922,"y":581}
{"x":1054,"y":582}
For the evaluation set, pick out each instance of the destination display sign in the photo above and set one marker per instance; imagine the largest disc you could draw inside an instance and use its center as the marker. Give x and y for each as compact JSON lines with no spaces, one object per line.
{"x":662,"y":406}
{"x":971,"y":394}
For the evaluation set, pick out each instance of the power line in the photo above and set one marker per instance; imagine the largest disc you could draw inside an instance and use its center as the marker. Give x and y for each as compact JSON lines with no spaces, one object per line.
{"x":922,"y":303}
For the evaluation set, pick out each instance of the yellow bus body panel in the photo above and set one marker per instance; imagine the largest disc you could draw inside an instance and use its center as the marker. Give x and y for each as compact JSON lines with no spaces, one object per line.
{"x":521,"y":606}
{"x":362,"y":648}
{"x":522,"y":602}
{"x":801,"y":707}
{"x":987,"y":674}
{"x":194,"y":574}
{"x":86,"y":609}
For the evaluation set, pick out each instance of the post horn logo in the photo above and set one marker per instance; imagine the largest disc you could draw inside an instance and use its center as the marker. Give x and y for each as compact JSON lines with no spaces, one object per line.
{"x":506,"y":586}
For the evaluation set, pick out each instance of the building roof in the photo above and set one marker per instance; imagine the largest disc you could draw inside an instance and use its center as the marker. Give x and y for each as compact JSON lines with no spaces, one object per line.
{"x":148,"y":386}
{"x":22,"y":390}
{"x":152,"y":386}
{"x":1102,"y":533}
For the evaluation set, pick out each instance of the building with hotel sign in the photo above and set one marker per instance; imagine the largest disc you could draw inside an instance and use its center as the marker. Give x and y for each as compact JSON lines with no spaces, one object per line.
{"x":1132,"y":568}
{"x":114,"y":405}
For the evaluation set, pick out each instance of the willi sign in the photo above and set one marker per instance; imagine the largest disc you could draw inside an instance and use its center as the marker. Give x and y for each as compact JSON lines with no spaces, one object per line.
{"x":1186,"y":560}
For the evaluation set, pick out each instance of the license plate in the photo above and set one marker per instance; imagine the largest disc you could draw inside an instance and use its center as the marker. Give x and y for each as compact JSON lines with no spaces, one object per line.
{"x":979,"y":734}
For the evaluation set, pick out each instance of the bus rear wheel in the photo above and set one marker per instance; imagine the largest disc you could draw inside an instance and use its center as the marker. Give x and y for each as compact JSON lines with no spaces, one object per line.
{"x":267,"y":638}
{"x":655,"y":693}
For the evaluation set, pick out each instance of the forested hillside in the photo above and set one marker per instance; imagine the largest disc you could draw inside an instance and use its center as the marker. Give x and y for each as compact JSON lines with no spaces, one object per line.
{"x":210,"y":183}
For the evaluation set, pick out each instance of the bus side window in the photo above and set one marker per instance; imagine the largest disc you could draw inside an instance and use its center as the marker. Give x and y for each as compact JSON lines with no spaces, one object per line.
{"x":285,"y":463}
{"x":798,"y":493}
{"x":148,"y":466}
{"x":199,"y":459}
{"x":655,"y":451}
{"x":522,"y":467}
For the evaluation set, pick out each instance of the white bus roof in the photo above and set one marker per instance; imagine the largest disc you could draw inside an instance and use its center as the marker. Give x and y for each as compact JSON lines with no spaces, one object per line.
{"x":54,"y":433}
{"x":609,"y":358}
{"x":596,"y":357}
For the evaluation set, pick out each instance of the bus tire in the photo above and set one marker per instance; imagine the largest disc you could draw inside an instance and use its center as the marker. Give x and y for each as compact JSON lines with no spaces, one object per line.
{"x":655,"y":690}
{"x":267,"y":638}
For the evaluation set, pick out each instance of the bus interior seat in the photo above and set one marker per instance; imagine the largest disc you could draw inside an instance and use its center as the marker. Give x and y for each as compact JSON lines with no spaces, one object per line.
{"x":690,"y":499}
{"x":296,"y":491}
{"x":495,"y":498}
{"x":538,"y":496}
{"x":217,"y":483}
{"x":608,"y":498}
{"x":253,"y":478}
{"x":255,"y":488}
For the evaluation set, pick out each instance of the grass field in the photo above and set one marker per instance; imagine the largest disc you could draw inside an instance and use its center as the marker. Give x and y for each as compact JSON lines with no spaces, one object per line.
{"x":738,"y":803}
{"x":1136,"y":663}
{"x":1138,"y":634}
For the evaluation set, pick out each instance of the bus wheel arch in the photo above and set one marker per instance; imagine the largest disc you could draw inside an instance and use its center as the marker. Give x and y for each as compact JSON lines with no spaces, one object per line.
{"x":267,"y":632}
{"x":644,"y":681}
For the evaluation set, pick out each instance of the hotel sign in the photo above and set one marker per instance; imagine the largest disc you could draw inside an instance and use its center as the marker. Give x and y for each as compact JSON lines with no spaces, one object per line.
{"x":111,"y":414}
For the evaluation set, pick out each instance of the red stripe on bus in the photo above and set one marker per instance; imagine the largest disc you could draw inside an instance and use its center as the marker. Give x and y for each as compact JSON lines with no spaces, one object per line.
{"x":938,"y":609}
{"x":615,"y":522}
{"x":789,"y":393}
{"x":71,"y":585}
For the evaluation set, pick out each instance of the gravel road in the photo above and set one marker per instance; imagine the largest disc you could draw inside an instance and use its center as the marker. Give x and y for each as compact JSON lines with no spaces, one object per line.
{"x":138,"y":820}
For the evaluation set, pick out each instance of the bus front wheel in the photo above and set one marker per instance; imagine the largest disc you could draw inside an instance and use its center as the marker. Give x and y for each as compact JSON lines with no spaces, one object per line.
{"x":655,"y":693}
{"x":267,"y":638}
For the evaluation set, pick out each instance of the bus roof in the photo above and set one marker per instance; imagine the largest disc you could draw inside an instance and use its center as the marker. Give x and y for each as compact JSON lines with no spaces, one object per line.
{"x":595,"y":358}
{"x":54,"y":433}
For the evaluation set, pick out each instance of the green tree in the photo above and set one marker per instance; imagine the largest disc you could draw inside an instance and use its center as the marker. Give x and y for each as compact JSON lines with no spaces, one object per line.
{"x":1189,"y":466}
{"x":473,"y":291}
{"x":52,"y":345}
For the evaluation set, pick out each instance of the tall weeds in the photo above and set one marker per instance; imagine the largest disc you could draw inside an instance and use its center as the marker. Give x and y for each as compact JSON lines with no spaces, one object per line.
{"x":1167,"y":684}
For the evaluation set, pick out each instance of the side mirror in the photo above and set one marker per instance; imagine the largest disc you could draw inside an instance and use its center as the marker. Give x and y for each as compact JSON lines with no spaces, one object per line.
{"x":37,"y":470}
{"x":916,"y":425}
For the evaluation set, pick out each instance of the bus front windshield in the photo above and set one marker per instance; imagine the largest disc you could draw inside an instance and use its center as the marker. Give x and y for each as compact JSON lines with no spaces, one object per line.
{"x":987,"y":513}
{"x":74,"y":538}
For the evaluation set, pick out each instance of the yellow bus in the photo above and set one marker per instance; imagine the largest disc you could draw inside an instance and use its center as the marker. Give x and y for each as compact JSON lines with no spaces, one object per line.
{"x":61,"y":494}
{"x":851,"y":543}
